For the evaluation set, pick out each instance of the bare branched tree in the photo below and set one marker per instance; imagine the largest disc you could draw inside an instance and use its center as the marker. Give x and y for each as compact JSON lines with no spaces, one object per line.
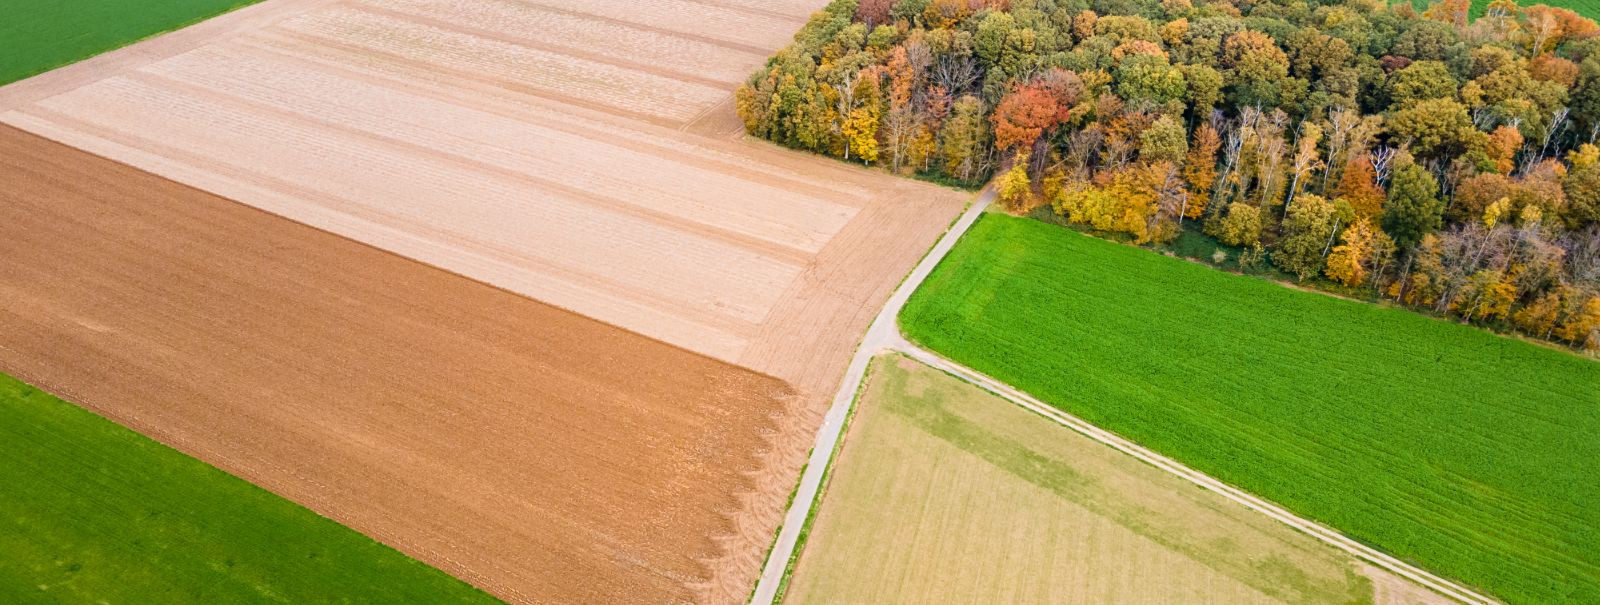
{"x":1382,"y":162}
{"x":1583,"y":256}
{"x":1232,"y":132}
{"x":1341,"y":124}
{"x":957,"y":73}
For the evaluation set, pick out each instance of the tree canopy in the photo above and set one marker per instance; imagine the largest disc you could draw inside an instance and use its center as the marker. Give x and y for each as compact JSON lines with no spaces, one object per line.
{"x":1458,"y":150}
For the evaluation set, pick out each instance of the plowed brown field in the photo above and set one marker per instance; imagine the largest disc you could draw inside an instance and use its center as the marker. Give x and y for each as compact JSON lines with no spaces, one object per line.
{"x":575,"y":151}
{"x":537,"y":453}
{"x":583,"y":153}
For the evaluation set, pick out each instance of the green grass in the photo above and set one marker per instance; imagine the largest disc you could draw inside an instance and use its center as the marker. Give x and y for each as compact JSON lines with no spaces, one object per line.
{"x":1587,"y":8}
{"x":1474,"y":455}
{"x":91,"y":512}
{"x":40,"y":35}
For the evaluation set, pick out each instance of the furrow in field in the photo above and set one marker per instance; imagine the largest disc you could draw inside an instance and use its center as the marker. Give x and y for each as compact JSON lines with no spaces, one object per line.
{"x":813,"y":177}
{"x":716,"y":335}
{"x":410,"y":189}
{"x":444,"y":417}
{"x":554,"y":74}
{"x":783,"y":9}
{"x":477,"y":210}
{"x":519,"y":23}
{"x":783,"y":220}
{"x":757,"y":32}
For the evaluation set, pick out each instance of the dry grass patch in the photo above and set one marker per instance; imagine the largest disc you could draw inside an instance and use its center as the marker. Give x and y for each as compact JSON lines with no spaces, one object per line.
{"x":944,"y":493}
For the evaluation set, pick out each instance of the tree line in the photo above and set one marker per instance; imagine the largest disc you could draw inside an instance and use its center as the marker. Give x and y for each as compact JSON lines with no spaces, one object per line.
{"x":1442,"y":162}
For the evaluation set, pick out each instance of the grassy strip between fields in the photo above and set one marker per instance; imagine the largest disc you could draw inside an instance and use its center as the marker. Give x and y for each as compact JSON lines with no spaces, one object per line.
{"x":1079,"y":519}
{"x":39,"y":35}
{"x":92,"y":512}
{"x":1474,"y":455}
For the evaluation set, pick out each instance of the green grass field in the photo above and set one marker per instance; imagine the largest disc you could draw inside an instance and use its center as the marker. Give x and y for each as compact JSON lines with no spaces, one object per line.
{"x":91,"y":512}
{"x":1587,"y":8}
{"x":1471,"y":454}
{"x":41,"y":35}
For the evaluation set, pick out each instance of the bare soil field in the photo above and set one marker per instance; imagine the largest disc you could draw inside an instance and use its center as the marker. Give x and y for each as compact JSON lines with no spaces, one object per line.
{"x":534,"y":452}
{"x":583,"y":153}
{"x":944,"y":494}
{"x":575,"y":151}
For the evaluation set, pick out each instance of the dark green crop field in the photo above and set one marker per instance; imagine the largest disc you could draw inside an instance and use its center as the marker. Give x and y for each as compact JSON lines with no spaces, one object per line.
{"x":91,"y":512}
{"x":1473,"y":455}
{"x":40,"y":35}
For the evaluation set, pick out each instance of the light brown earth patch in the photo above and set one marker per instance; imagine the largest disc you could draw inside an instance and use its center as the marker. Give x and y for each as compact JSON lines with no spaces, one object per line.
{"x":534,"y":452}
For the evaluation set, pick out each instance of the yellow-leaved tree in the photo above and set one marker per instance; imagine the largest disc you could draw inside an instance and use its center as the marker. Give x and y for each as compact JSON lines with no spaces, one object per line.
{"x":861,"y":131}
{"x":1347,"y":264}
{"x":1582,"y":327}
{"x":1013,"y":187}
{"x":1123,"y":203}
{"x":1486,"y":296}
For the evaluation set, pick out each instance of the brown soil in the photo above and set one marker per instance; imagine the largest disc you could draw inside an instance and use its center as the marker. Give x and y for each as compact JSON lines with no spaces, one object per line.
{"x":583,"y":153}
{"x":574,"y":151}
{"x":536,"y":453}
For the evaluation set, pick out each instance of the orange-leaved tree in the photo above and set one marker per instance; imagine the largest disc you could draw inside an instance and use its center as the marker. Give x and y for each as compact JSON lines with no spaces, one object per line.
{"x":1025,"y":114}
{"x":1358,"y":186}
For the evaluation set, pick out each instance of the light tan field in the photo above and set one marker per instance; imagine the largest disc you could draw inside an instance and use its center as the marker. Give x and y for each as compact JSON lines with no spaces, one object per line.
{"x":946,"y":494}
{"x":582,"y":153}
{"x":574,"y":151}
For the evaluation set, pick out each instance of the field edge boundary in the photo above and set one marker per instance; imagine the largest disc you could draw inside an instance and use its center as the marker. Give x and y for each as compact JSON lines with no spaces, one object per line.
{"x":1309,"y":527}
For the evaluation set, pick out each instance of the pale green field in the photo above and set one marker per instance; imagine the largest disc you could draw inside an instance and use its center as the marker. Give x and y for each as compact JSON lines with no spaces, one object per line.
{"x":946,"y":494}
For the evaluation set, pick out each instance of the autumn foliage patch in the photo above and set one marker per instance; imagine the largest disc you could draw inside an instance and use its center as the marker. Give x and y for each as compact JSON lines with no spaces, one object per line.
{"x":1411,"y":154}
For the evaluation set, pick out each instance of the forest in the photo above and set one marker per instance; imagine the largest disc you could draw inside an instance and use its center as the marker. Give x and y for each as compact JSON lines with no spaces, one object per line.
{"x":1446,"y":163}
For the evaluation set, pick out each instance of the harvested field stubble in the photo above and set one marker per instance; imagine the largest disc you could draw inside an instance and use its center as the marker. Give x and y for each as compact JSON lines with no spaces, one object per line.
{"x":944,"y":493}
{"x":531,"y":451}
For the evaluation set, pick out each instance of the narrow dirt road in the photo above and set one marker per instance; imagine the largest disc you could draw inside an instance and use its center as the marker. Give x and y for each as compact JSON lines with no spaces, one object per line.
{"x":884,"y":336}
